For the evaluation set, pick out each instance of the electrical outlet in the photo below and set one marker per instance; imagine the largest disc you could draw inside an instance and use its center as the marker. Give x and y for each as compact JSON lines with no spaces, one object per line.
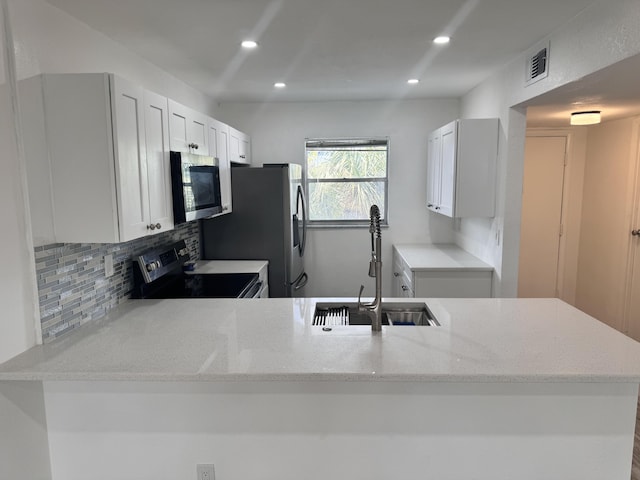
{"x":108,"y":265}
{"x":205,"y":471}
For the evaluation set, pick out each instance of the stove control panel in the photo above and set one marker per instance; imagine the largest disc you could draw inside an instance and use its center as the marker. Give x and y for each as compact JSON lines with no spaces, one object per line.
{"x":160,"y":261}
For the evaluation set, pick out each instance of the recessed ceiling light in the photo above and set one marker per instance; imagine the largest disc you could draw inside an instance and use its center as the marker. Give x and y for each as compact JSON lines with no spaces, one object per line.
{"x":441,"y":40}
{"x":249,"y":44}
{"x":279,"y":84}
{"x":413,"y":81}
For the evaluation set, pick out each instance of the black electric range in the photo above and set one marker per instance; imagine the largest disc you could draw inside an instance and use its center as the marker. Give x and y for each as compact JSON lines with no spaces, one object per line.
{"x":160,"y":273}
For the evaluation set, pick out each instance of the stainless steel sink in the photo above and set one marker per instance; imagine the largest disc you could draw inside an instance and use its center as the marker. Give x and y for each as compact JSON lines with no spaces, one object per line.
{"x":393,"y":314}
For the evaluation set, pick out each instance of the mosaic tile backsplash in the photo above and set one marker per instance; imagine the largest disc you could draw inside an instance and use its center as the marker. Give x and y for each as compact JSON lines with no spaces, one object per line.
{"x":72,"y":286}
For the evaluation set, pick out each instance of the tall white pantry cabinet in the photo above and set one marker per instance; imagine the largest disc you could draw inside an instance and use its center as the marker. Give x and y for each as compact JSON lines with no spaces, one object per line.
{"x":461,"y":168}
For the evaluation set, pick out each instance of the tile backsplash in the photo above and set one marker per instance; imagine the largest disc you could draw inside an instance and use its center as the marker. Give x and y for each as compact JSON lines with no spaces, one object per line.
{"x":72,"y":287}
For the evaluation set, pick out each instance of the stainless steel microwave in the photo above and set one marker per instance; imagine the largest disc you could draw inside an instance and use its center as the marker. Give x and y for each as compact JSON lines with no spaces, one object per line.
{"x":195,"y":185}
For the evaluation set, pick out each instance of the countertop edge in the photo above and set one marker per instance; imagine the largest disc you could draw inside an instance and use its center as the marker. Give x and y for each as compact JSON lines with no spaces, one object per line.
{"x":312,"y":377}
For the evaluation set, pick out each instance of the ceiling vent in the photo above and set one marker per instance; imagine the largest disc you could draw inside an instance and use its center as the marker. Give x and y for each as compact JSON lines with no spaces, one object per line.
{"x":537,"y":64}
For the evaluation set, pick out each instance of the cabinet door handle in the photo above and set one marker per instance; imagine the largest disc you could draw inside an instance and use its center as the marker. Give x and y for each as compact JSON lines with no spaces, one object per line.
{"x":635,"y":233}
{"x":193,"y":145}
{"x":429,"y":205}
{"x":243,"y":156}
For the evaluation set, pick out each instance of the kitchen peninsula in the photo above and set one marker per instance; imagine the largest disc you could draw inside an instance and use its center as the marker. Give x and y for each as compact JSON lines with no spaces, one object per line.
{"x":531,"y":388}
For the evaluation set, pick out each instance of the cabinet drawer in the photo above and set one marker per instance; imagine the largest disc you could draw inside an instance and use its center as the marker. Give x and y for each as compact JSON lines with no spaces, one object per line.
{"x":453,"y":284}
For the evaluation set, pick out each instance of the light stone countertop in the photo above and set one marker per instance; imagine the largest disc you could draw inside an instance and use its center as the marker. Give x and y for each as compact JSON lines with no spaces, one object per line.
{"x":479,"y":340}
{"x":439,"y":257}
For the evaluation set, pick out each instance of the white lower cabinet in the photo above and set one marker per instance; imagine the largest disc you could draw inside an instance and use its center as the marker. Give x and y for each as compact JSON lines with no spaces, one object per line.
{"x":439,"y":271}
{"x":107,"y":143}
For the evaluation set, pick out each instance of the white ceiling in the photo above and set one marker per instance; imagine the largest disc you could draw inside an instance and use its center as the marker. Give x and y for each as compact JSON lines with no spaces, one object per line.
{"x":354,"y":49}
{"x":326,"y":49}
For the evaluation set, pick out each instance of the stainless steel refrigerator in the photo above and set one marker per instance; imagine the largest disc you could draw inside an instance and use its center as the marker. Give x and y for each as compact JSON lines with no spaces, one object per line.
{"x":268,"y":222}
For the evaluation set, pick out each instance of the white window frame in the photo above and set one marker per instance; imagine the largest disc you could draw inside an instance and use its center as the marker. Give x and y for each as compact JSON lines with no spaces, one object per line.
{"x":337,"y":223}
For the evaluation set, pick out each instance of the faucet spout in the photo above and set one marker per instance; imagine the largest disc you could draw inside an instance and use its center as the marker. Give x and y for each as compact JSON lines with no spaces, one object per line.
{"x":374,"y":309}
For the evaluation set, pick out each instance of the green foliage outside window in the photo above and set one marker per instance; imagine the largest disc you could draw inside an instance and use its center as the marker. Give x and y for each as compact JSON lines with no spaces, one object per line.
{"x":345,"y":180}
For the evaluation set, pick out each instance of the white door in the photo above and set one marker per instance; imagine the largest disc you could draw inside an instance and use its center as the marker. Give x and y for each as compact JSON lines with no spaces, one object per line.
{"x":448,"y":169}
{"x":540,"y":231}
{"x":156,"y":121}
{"x":131,"y":160}
{"x":633,"y":289}
{"x":633,"y":313}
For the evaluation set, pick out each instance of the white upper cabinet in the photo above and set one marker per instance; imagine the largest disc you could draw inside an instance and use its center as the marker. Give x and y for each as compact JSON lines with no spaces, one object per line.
{"x":156,"y":124}
{"x":219,"y":148}
{"x":188,"y":129}
{"x":109,"y":168}
{"x":239,"y":147}
{"x":130,"y":157}
{"x":461,"y":168}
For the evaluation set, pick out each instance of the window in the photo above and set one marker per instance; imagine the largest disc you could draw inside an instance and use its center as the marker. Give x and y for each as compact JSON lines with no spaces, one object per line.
{"x":344,"y":177}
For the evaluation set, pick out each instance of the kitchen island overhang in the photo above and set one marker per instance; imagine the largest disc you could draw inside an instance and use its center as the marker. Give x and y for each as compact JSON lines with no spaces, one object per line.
{"x":255,"y":389}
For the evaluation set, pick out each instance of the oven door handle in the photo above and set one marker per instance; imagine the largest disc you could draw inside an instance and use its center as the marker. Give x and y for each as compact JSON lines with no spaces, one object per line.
{"x":254,"y":291}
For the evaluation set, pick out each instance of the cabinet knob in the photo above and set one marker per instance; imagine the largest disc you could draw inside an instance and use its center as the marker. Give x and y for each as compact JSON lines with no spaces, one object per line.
{"x":193,"y":145}
{"x":635,"y":233}
{"x":429,"y":205}
{"x":396,"y":274}
{"x":404,"y":288}
{"x":225,"y":208}
{"x":151,"y":227}
{"x":437,"y":208}
{"x":158,"y":226}
{"x":243,"y":156}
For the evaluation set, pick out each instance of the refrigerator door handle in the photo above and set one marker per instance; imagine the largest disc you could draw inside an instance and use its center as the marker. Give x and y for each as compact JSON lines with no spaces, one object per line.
{"x":300,"y":282}
{"x":303,"y":203}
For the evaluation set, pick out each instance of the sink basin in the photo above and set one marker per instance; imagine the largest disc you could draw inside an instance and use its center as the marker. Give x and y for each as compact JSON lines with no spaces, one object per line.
{"x":393,"y":314}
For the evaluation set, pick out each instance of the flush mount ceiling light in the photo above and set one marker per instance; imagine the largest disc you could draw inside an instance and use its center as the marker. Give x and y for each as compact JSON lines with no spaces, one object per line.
{"x":585,"y":118}
{"x":413,"y":81}
{"x":279,"y":84}
{"x":441,"y":40}
{"x":249,"y":44}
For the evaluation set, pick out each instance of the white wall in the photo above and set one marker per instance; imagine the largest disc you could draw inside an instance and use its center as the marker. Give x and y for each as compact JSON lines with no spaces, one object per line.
{"x":49,"y":40}
{"x":599,"y":36}
{"x":18,"y":295}
{"x":337,"y":259}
